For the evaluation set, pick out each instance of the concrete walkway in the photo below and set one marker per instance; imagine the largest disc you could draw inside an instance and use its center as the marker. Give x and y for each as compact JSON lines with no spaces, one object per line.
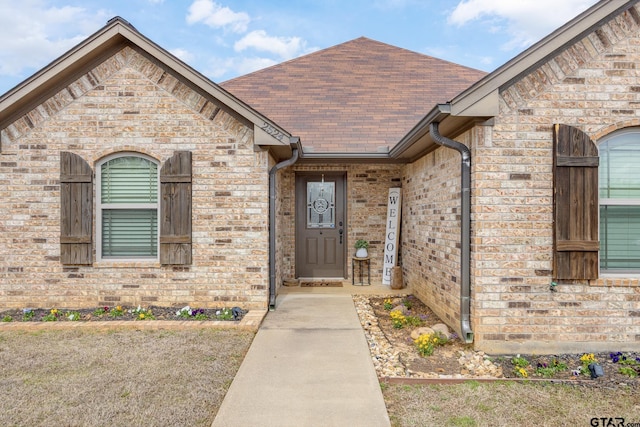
{"x":309,"y":365}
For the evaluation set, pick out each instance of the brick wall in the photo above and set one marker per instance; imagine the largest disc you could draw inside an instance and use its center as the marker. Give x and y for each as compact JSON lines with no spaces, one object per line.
{"x":129,"y":103}
{"x":591,"y":85}
{"x":431,"y":232}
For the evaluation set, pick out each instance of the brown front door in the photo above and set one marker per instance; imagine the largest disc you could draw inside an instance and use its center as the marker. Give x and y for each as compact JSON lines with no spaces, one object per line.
{"x":320,"y":225}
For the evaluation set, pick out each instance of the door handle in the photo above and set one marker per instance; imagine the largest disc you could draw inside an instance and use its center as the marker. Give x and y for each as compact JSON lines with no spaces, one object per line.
{"x":340,"y":232}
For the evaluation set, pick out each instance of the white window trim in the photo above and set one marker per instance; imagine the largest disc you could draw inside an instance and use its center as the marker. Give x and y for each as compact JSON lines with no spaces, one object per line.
{"x":99,"y":206}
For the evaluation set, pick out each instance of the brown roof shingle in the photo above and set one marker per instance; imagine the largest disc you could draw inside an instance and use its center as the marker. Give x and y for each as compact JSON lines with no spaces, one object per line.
{"x":361,"y":96}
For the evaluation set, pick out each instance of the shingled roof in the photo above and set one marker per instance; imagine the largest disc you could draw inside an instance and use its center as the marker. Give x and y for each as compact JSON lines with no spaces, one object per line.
{"x":361,"y":96}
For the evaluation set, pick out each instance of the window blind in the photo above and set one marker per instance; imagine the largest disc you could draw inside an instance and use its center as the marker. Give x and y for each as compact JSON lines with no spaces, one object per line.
{"x":129,"y":208}
{"x":619,"y":184}
{"x":129,"y":232}
{"x":129,"y":180}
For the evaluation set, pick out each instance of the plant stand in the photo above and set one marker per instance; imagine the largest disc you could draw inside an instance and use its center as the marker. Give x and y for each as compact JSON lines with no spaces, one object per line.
{"x":362,"y":262}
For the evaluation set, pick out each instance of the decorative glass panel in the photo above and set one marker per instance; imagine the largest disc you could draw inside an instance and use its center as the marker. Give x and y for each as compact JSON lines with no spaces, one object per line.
{"x":321,"y":212}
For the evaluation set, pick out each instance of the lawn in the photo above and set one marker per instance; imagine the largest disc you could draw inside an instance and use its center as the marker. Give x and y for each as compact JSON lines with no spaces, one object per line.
{"x":126,"y":377}
{"x":151,"y":378}
{"x":510,"y":404}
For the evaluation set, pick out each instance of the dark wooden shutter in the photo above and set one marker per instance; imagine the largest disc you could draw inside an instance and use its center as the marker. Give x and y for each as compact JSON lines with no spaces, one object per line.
{"x":76,"y":210}
{"x":175,"y":209}
{"x":575,"y":175}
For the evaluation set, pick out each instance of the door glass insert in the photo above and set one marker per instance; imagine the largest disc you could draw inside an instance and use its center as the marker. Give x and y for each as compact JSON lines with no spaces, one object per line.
{"x":321,"y":211}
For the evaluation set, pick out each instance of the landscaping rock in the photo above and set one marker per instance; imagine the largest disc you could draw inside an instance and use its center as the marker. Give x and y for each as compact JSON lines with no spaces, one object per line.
{"x":401,"y":308}
{"x":394,"y":354}
{"x":442,"y":328}
{"x":421,"y":331}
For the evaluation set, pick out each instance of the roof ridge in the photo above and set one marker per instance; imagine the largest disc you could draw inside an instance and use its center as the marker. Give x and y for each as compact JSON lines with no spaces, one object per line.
{"x":336,"y":48}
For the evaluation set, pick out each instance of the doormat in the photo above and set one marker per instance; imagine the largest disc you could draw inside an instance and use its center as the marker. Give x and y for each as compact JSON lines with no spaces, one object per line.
{"x":321,"y":284}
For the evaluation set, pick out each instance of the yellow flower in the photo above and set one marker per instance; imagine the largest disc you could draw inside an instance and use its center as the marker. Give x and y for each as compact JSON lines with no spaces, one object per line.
{"x":523,"y":372}
{"x":141,"y":315}
{"x":54,"y":311}
{"x":588,"y":357}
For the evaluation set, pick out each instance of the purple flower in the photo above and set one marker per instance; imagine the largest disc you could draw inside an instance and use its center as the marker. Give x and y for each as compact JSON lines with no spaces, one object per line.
{"x":615,"y":357}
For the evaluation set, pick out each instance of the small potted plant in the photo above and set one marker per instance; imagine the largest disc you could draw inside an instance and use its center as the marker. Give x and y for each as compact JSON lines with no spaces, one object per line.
{"x":361,"y":248}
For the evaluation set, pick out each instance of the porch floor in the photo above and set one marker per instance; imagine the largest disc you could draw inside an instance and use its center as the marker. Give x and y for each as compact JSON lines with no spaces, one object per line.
{"x":346,"y":288}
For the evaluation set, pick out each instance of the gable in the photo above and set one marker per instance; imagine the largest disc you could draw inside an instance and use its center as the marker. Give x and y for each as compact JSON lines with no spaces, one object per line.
{"x":127,"y":67}
{"x":608,"y":53}
{"x":118,"y":45}
{"x":558,"y":59}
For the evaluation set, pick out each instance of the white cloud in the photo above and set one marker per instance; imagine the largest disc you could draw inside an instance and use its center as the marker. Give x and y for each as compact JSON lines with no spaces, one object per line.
{"x":34,"y":34}
{"x":525,"y":21}
{"x":183,"y":54}
{"x":238,"y":66}
{"x":216,"y":16}
{"x":285,"y":47}
{"x":249,"y":65}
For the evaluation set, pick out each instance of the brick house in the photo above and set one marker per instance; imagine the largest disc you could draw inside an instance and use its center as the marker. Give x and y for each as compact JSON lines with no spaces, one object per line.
{"x":518,"y":210}
{"x":129,"y":178}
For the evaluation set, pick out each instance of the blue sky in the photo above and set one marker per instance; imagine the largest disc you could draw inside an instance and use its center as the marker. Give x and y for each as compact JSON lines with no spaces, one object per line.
{"x":228,"y":38}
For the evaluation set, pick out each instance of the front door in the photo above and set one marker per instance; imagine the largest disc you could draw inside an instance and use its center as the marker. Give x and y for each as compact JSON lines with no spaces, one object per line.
{"x":320,"y":225}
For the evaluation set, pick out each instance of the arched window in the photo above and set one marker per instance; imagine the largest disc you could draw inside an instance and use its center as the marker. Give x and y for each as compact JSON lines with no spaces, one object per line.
{"x":127,"y":189}
{"x":619,"y":193}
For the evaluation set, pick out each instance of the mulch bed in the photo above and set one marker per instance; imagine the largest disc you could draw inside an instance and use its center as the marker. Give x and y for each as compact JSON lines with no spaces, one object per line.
{"x":544,"y":367}
{"x":117,"y":313}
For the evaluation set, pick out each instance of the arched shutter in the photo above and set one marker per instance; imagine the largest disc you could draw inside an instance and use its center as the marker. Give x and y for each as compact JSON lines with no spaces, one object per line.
{"x":175,"y":210}
{"x":576,"y":244}
{"x":76,"y":210}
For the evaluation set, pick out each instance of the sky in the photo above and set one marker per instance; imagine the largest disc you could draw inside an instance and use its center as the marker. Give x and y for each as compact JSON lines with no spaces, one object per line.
{"x":224,"y":39}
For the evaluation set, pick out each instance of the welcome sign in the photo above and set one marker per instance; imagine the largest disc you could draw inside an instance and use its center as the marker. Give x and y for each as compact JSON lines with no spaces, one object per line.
{"x":392,"y":236}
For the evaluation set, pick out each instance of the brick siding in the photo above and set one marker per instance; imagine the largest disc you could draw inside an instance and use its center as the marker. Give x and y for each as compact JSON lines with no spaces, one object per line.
{"x":431,"y":232}
{"x":130,"y":103}
{"x":589,"y":85}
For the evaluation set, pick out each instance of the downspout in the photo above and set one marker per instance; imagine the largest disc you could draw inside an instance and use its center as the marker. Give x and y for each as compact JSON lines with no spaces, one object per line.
{"x":465,"y":234}
{"x":294,"y":142}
